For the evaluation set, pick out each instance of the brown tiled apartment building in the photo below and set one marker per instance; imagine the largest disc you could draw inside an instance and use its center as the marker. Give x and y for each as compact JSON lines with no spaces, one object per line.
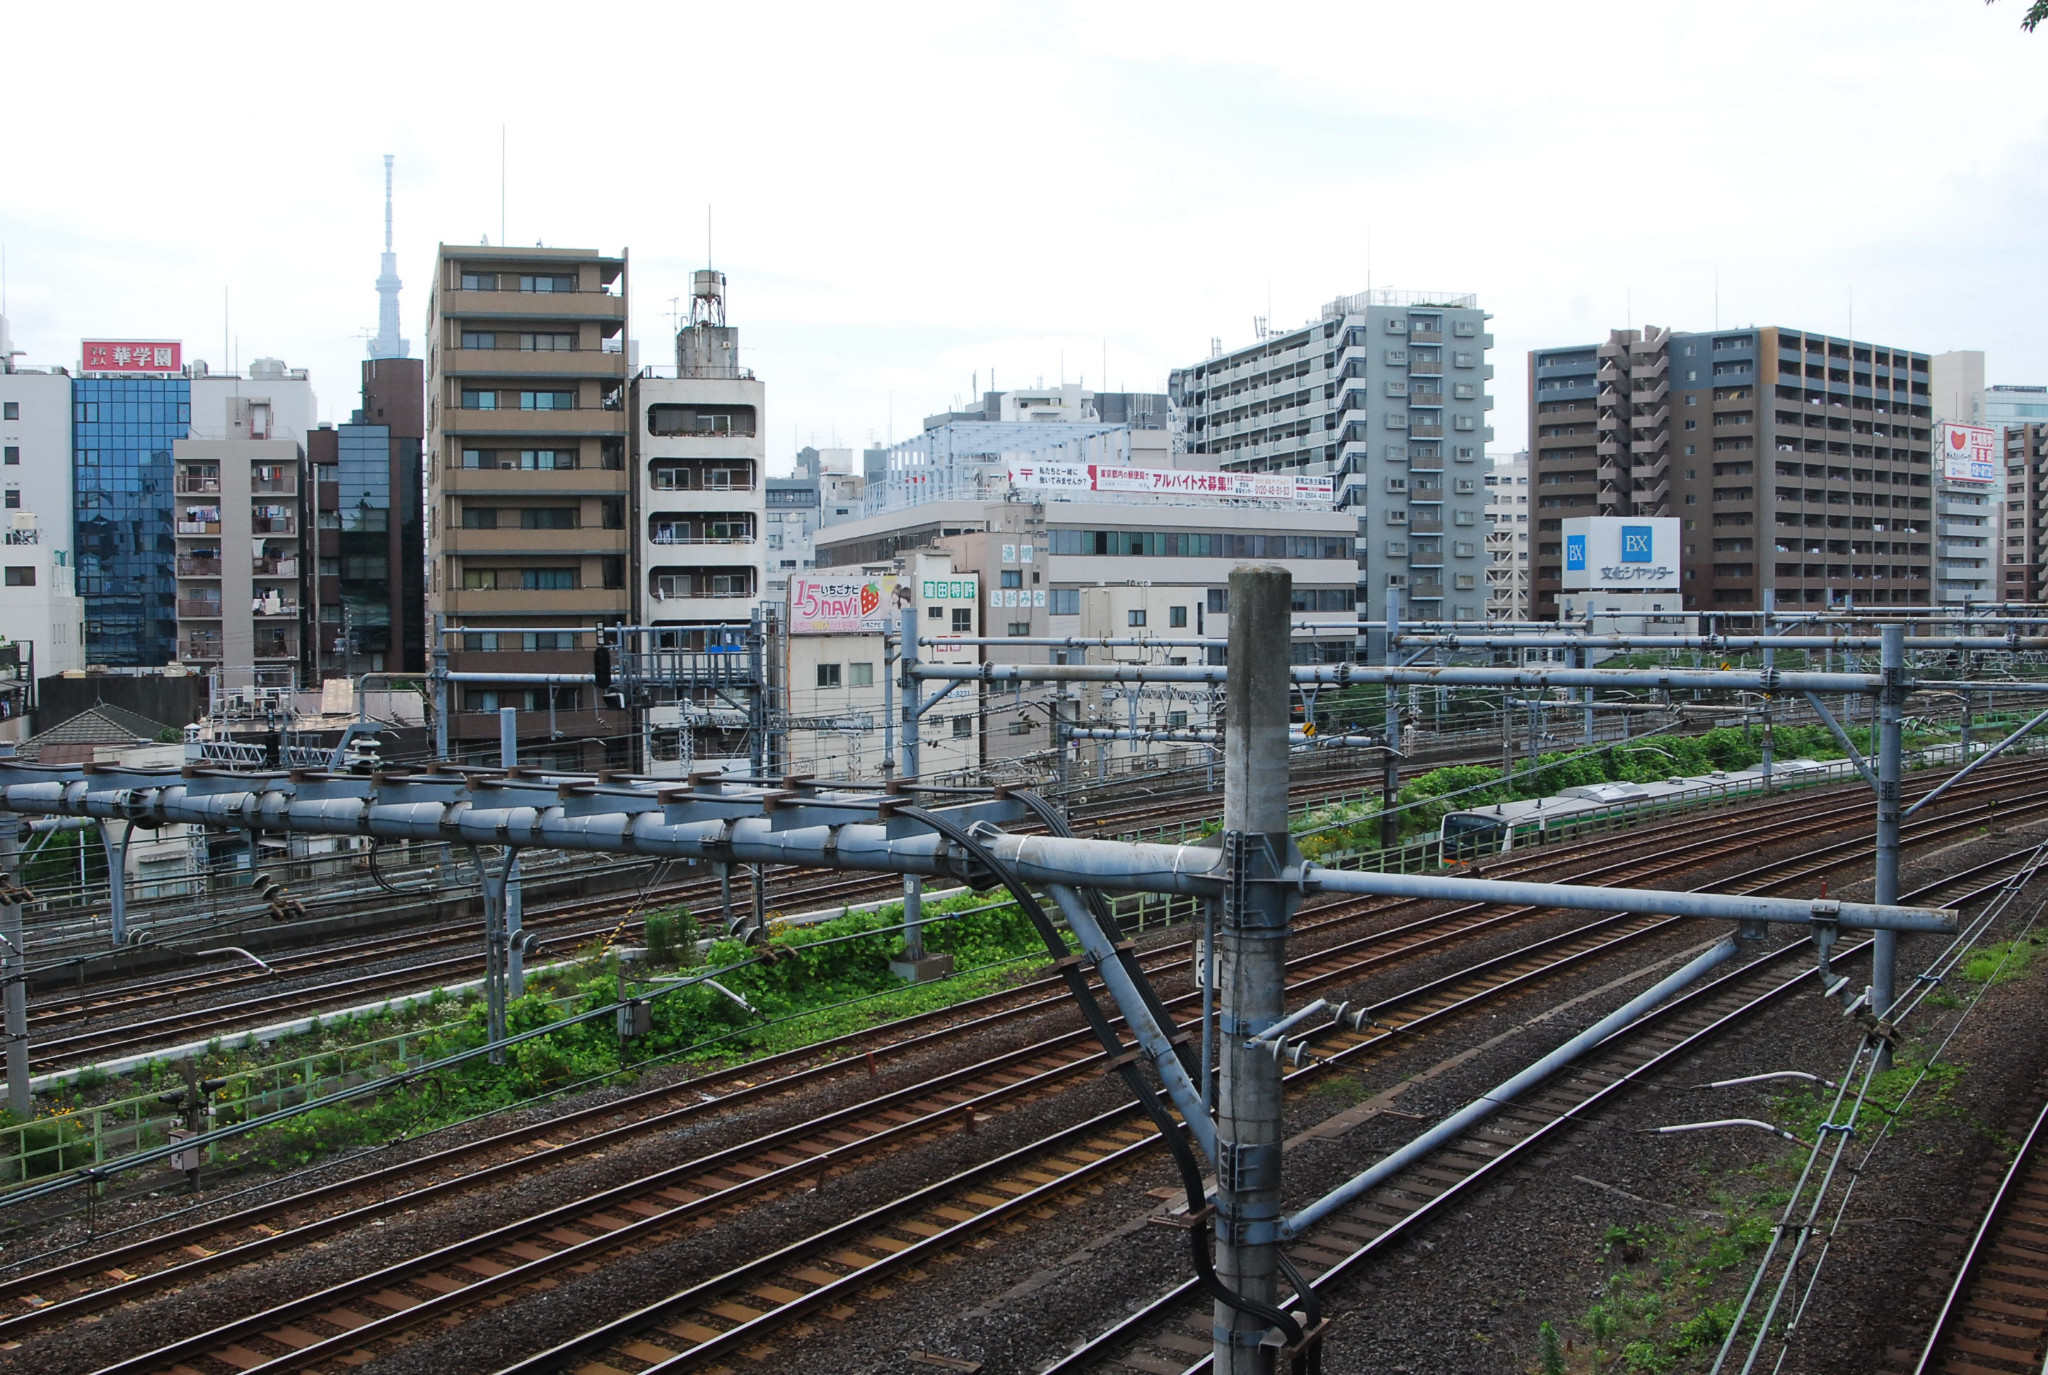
{"x":528,"y":487}
{"x":2025,"y":563}
{"x":1796,"y":461}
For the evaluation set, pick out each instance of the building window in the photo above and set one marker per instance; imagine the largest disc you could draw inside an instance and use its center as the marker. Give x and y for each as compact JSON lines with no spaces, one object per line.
{"x":1219,"y":601}
{"x":13,"y":455}
{"x":1013,"y":577}
{"x":480,"y":579}
{"x":1177,"y":617}
{"x":1064,"y":601}
{"x":860,"y":675}
{"x":935,"y":613}
{"x":548,"y":518}
{"x":1134,"y":618}
{"x":547,"y":579}
{"x":479,"y":400}
{"x":21,"y":577}
{"x":1020,"y":628}
{"x":548,"y":282}
{"x":14,"y":498}
{"x":963,"y":620}
{"x":479,"y":517}
{"x":828,"y":675}
{"x":479,"y":281}
{"x":963,"y":728}
{"x":547,"y":401}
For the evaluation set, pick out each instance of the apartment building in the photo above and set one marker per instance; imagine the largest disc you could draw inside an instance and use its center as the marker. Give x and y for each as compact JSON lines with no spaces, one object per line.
{"x":1507,"y":536}
{"x":527,"y":426}
{"x":240,"y":527}
{"x":39,"y":606}
{"x":1385,"y":392}
{"x":1794,"y":461}
{"x":2023,"y":574}
{"x":700,"y":455}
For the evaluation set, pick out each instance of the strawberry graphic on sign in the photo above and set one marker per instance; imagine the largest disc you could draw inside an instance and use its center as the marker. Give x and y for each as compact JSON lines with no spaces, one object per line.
{"x":870,"y":598}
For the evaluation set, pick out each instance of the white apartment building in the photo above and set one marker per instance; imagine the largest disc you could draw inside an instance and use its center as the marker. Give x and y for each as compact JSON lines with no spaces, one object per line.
{"x":1386,"y":392}
{"x":1507,"y":537}
{"x":1967,"y":515}
{"x":701,"y":459}
{"x":39,"y":604}
{"x":240,"y":532}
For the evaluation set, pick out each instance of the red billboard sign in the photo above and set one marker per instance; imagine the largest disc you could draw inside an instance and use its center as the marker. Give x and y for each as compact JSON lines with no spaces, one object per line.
{"x":132,"y":355}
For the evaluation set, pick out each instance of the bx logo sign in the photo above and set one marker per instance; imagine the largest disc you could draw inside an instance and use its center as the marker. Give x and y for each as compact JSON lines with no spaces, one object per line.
{"x":1575,"y":552}
{"x":1636,"y":544}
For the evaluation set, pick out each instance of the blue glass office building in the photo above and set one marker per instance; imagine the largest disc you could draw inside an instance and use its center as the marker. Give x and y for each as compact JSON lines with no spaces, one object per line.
{"x":122,"y":432}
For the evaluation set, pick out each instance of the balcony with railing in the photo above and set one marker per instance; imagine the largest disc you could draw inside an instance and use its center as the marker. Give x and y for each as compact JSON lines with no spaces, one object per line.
{"x":198,"y":609}
{"x":272,"y":525}
{"x":194,"y":566}
{"x":734,"y":531}
{"x":275,"y":566}
{"x":710,"y":475}
{"x":272,"y":608}
{"x":286,"y":485}
{"x":191,"y":486}
{"x":196,"y":647}
{"x":273,"y":642}
{"x":680,"y":584}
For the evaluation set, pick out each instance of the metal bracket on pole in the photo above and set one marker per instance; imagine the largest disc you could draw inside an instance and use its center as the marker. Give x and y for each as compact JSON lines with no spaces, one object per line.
{"x":117,"y":880}
{"x":1983,"y":758}
{"x":1842,"y":738}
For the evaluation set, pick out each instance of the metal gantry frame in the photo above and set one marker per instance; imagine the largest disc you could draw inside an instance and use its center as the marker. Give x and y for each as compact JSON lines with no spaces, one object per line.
{"x":1251,"y":879}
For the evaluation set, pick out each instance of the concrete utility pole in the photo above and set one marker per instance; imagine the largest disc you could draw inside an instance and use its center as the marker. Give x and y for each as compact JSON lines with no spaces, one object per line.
{"x":1252,"y":946}
{"x":1770,"y":663}
{"x":14,"y":969}
{"x":512,"y":918}
{"x":1390,"y":777}
{"x":1891,"y":712}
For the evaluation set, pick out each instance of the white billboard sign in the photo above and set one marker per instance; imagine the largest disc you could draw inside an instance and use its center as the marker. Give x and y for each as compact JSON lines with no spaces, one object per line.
{"x":1099,"y":477}
{"x":841,"y":603}
{"x":1969,"y":453}
{"x":1621,"y":552}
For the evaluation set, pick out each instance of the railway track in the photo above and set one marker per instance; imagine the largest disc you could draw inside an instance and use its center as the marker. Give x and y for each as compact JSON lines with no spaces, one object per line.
{"x":1170,"y":1335}
{"x":1994,"y":1318}
{"x":341,"y":1325}
{"x":567,"y":925}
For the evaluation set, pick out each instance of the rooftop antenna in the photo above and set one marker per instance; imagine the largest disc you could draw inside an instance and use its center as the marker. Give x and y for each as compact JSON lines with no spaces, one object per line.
{"x":1717,"y":298}
{"x":501,"y":185}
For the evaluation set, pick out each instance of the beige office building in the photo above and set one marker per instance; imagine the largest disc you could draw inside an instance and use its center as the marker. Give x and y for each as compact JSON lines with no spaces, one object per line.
{"x":528,"y":544}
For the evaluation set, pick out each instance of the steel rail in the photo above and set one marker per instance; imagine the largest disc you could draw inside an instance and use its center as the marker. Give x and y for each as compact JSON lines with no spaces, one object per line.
{"x":1096,"y":1349}
{"x":412,"y":1314}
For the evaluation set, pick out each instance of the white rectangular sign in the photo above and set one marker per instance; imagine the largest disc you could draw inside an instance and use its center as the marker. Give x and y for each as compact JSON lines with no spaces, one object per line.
{"x":1969,"y":453}
{"x":841,"y":603}
{"x":1617,"y":552}
{"x":1097,"y":477}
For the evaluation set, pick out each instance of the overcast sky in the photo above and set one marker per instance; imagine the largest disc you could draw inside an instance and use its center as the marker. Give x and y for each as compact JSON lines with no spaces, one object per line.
{"x":906,"y":196}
